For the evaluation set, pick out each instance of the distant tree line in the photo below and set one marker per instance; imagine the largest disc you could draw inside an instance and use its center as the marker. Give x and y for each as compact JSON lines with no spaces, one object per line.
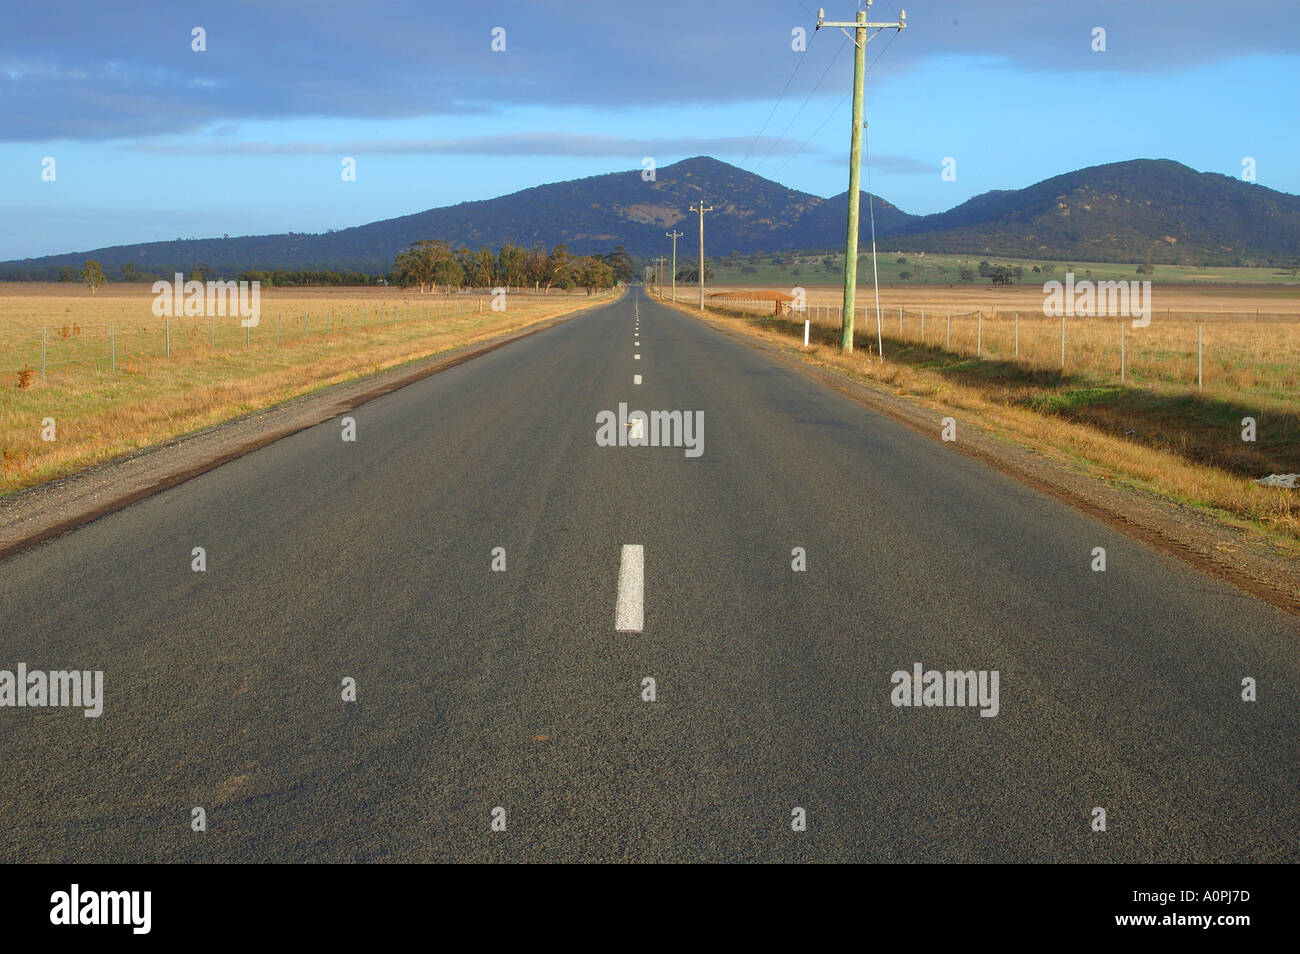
{"x":1002,"y":274}
{"x":280,"y":277}
{"x":431,"y":264}
{"x":691,"y":273}
{"x":201,"y":272}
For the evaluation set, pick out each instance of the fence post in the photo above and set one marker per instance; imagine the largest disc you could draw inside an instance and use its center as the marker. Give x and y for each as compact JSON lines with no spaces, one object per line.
{"x":1198,"y":358}
{"x":900,"y":321}
{"x":922,"y":327}
{"x":1063,"y":342}
{"x":277,"y":328}
{"x":112,"y":348}
{"x":1121,"y":351}
{"x":1017,"y":334}
{"x":42,"y":354}
{"x":805,"y":335}
{"x":212,"y":334}
{"x":949,"y":344}
{"x":304,"y":324}
{"x":979,"y":333}
{"x":329,"y":320}
{"x":167,"y":332}
{"x":245,"y":336}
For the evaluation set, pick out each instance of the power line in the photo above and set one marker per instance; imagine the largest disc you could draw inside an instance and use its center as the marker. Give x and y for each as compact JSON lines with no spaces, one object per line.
{"x":829,"y":116}
{"x":777,"y":104}
{"x":871,"y":210}
{"x":810,"y":95}
{"x":836,"y":109}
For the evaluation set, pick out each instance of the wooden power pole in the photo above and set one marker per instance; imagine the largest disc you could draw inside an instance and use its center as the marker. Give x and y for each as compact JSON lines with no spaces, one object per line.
{"x":674,"y":235}
{"x":860,"y":39}
{"x":701,"y":209}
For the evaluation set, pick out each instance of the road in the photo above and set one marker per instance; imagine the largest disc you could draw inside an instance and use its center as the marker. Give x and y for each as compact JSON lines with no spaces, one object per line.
{"x":478,"y":689}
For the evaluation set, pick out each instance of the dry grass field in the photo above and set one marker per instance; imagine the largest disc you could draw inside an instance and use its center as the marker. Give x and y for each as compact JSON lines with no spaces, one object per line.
{"x":1249,"y":338}
{"x":114,"y":391}
{"x":1154,"y":429}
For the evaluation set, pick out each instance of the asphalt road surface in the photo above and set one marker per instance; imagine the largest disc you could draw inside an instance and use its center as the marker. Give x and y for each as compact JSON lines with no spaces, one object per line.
{"x":523,"y":689}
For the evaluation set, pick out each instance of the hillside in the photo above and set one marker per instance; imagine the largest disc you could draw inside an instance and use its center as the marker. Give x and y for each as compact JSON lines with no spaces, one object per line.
{"x":589,"y":215}
{"x":1131,"y":211}
{"x":1124,"y":211}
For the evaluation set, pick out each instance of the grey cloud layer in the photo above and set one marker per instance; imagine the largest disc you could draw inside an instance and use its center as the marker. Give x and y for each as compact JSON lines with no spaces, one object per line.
{"x":120,"y":71}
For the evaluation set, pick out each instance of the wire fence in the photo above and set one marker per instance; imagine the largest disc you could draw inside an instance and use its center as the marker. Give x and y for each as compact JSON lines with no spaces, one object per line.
{"x":124,"y":344}
{"x":1224,"y":351}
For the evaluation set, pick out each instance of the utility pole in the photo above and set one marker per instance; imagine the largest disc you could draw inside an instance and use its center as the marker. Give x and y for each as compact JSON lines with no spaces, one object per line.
{"x":701,"y":209}
{"x":674,"y":235}
{"x":860,"y":40}
{"x":660,"y":260}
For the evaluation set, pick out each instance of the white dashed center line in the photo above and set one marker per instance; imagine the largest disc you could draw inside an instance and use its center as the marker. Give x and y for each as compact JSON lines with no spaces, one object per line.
{"x":629,"y":612}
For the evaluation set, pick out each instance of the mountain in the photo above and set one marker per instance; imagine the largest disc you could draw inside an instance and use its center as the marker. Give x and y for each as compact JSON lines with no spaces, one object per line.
{"x":589,"y":215}
{"x":828,"y":220}
{"x":1120,"y":212}
{"x":1124,"y":211}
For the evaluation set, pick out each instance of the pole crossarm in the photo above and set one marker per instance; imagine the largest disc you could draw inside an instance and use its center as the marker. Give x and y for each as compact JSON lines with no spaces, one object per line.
{"x":845,"y":25}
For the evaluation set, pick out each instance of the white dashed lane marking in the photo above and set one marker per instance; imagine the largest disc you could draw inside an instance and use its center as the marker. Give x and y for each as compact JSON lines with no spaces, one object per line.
{"x":629,"y":611}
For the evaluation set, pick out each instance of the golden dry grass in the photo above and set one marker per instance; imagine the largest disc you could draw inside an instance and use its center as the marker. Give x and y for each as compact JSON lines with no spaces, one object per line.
{"x":1242,"y":356}
{"x":101,"y":412}
{"x":1002,"y":399}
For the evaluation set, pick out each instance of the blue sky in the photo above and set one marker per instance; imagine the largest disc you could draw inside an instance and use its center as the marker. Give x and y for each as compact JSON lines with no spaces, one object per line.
{"x":153,"y":140}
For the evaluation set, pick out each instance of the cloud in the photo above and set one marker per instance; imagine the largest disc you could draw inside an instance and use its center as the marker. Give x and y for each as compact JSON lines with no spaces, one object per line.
{"x":104,"y":75}
{"x":511,"y":144}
